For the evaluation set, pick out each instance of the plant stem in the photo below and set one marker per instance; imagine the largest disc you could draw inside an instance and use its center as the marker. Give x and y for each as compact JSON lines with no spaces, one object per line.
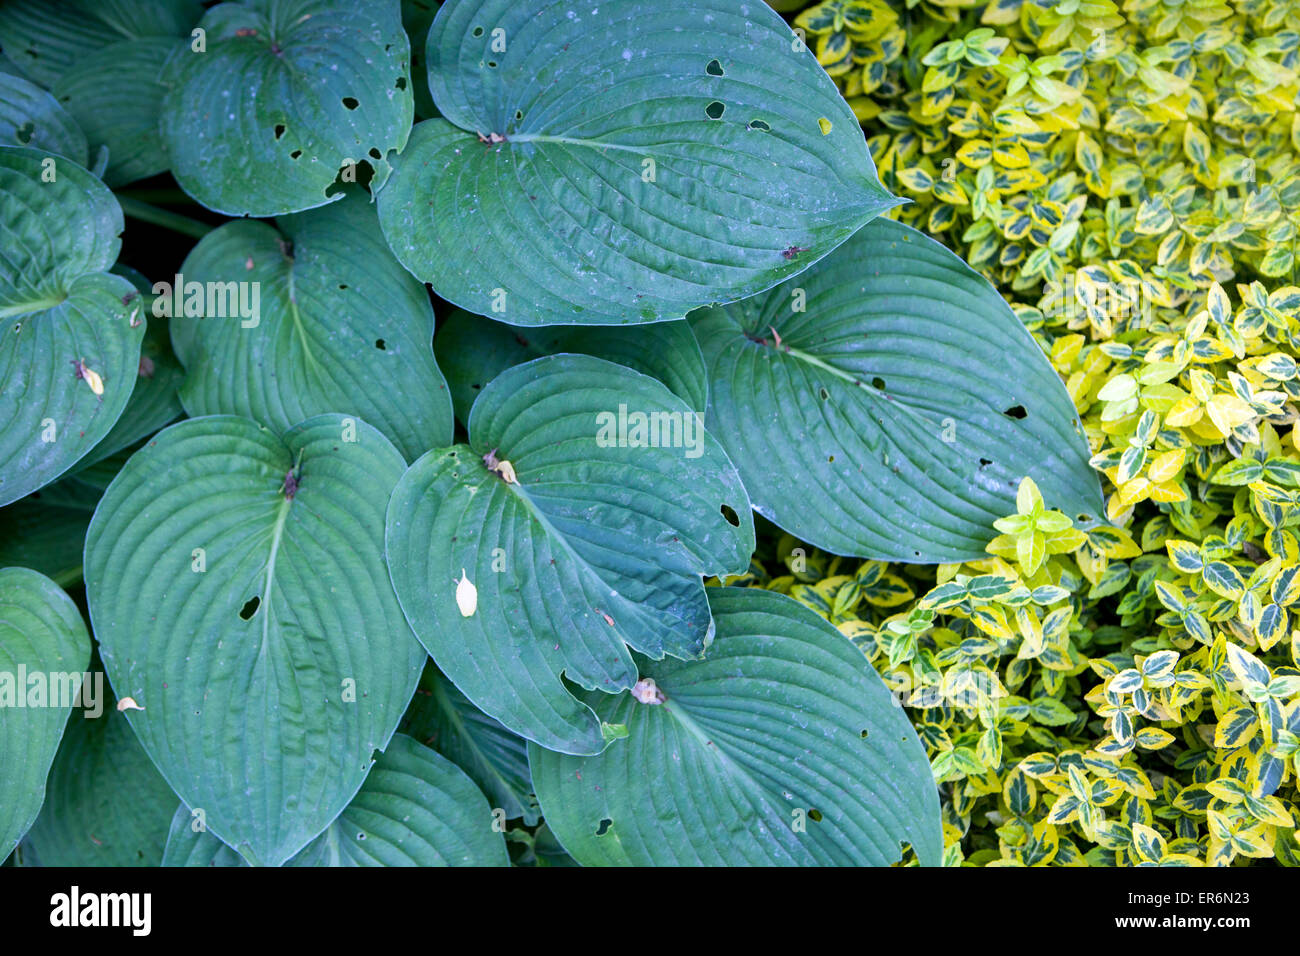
{"x":161,"y":217}
{"x":168,"y":197}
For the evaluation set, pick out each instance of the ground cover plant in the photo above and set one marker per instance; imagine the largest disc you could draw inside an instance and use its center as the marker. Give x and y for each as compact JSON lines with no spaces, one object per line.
{"x":558,"y":440}
{"x":1125,"y":175}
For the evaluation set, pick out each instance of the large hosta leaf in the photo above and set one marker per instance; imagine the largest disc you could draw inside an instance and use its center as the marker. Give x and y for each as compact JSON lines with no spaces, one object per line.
{"x":599,"y":544}
{"x":46,"y":38}
{"x":106,"y":804}
{"x":286,"y":93}
{"x":887,"y":403}
{"x":115,"y":96}
{"x":29,"y":116}
{"x":783,"y":747}
{"x":443,"y":718}
{"x":249,"y":612}
{"x":624,"y":161}
{"x":340,"y":327}
{"x":60,"y":311}
{"x":44,"y":650}
{"x":46,"y":536}
{"x":417,"y":808}
{"x":472,"y":351}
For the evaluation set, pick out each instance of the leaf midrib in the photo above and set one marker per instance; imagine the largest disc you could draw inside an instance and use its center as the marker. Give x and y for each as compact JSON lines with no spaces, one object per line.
{"x":876,"y":394}
{"x":298,"y":327}
{"x":277,"y":534}
{"x":543,"y":519}
{"x":728,"y":763}
{"x":573,"y":141}
{"x":33,"y":305}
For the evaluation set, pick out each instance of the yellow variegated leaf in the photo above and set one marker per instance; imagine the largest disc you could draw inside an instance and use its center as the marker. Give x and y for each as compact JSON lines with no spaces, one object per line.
{"x":1236,"y":728}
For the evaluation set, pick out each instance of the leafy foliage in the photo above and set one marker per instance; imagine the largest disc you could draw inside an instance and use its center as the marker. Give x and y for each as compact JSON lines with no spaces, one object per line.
{"x":41,"y":631}
{"x":897,"y":378}
{"x":745,"y":782}
{"x":626,"y":179}
{"x":61,"y":308}
{"x":1100,"y":695}
{"x":242,"y":611}
{"x":616,"y":211}
{"x":322,"y":85}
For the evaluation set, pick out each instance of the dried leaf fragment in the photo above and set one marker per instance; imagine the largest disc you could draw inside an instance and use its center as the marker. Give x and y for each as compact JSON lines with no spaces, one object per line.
{"x":501,"y":467}
{"x":646,"y":691}
{"x":88,"y":375}
{"x":466,"y":595}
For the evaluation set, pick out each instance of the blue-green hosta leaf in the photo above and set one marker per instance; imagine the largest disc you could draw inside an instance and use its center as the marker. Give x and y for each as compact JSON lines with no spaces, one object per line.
{"x":46,"y":531}
{"x":237,"y":586}
{"x":106,"y":803}
{"x":46,"y":38}
{"x":189,"y":843}
{"x":339,"y":327}
{"x":46,"y":536}
{"x":286,"y":94}
{"x":538,"y":848}
{"x":116,"y":97}
{"x":623,"y":162}
{"x":417,"y":17}
{"x":416,"y":808}
{"x":155,"y":400}
{"x":782,"y":747}
{"x":472,"y":351}
{"x":29,"y":116}
{"x":89,"y":483}
{"x":44,"y":650}
{"x":887,"y":403}
{"x":69,"y":332}
{"x":9,"y":66}
{"x":599,"y":544}
{"x":442,"y":717}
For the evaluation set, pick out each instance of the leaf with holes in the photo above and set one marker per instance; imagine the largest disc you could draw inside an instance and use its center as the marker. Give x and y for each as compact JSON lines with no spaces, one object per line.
{"x":473,"y":350}
{"x":497,"y":760}
{"x":47,"y":38}
{"x":236,"y":583}
{"x":782,"y":747}
{"x":416,"y":808}
{"x":623,"y":162}
{"x":315,"y":316}
{"x":887,"y":403}
{"x":29,"y":116}
{"x":585,"y":510}
{"x":44,"y":652}
{"x":71,"y":333}
{"x":285,"y":95}
{"x":106,"y":803}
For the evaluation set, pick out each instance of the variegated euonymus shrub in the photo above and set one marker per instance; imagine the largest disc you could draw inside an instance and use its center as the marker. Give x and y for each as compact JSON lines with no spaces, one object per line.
{"x":664,"y":301}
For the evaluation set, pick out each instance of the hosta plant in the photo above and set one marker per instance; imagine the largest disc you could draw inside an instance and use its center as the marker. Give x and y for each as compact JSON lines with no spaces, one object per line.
{"x":398,"y":507}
